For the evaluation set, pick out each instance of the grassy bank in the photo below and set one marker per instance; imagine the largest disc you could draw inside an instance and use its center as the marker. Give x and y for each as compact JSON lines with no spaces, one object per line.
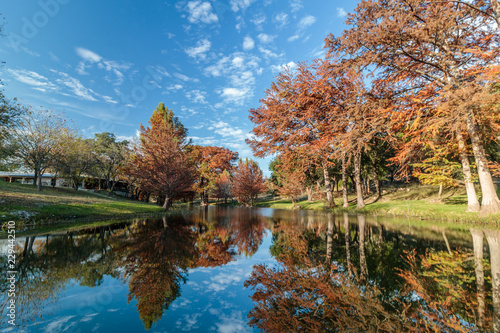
{"x":23,"y":203}
{"x":415,"y":201}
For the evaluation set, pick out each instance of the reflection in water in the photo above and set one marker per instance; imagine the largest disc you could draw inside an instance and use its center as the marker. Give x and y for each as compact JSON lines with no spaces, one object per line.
{"x":333,"y":273}
{"x":398,"y":282}
{"x":151,"y":256}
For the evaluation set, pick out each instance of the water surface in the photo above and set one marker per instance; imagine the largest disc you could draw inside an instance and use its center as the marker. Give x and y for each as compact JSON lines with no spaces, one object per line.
{"x":249,"y":270}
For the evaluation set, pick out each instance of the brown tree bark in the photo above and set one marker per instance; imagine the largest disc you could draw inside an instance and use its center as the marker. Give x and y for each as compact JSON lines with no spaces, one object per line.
{"x":363,"y":274}
{"x":328,"y":186}
{"x":344,"y":183}
{"x":490,"y":203}
{"x":309,"y":190}
{"x":477,"y":239}
{"x":493,"y":238}
{"x":167,"y":203}
{"x":472,"y":202}
{"x":329,"y":238}
{"x":357,"y":176}
{"x":376,"y":181}
{"x":347,"y":243}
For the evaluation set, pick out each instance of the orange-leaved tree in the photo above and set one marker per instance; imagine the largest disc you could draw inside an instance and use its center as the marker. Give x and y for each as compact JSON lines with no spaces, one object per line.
{"x":432,"y":52}
{"x":161,"y":162}
{"x":248,"y":182}
{"x":210,"y":162}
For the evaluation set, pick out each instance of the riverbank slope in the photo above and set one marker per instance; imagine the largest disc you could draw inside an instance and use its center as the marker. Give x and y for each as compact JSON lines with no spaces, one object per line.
{"x":415,"y":201}
{"x":24,"y":204}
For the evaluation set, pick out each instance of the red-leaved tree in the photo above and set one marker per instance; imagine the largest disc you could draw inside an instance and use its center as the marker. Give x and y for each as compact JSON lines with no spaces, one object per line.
{"x":248,"y":182}
{"x":160,"y":162}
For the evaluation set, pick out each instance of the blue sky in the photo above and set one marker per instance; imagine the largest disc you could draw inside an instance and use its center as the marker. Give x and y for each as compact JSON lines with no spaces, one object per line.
{"x":107,"y":64}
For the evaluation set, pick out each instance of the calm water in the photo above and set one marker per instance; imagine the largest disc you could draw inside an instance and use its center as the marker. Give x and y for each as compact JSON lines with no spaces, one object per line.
{"x":252,"y":270}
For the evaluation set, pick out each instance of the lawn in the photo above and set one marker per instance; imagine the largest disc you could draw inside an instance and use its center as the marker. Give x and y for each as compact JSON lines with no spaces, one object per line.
{"x":24,"y":203}
{"x":415,"y":201}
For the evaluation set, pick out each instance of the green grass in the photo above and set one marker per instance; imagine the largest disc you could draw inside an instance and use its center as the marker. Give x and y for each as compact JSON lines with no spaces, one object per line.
{"x":23,"y":203}
{"x":415,"y":201}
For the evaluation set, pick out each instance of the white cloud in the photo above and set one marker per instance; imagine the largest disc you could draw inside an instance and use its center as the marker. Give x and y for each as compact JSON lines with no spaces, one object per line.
{"x":109,"y":99}
{"x":197,"y":96}
{"x":88,"y":55}
{"x":248,"y":43}
{"x":265,"y":38}
{"x":33,"y":79}
{"x":293,"y":38}
{"x":279,"y":68}
{"x":268,"y":53}
{"x":237,"y":5}
{"x":341,"y":12}
{"x":200,"y":50}
{"x":238,"y":70}
{"x":76,"y":87}
{"x":238,"y":61}
{"x":233,"y":94}
{"x":281,"y":19}
{"x":90,"y":58}
{"x":296,"y":5}
{"x":225,"y":130}
{"x":201,"y":12}
{"x":306,"y":22}
{"x":258,"y":20}
{"x":175,"y":87}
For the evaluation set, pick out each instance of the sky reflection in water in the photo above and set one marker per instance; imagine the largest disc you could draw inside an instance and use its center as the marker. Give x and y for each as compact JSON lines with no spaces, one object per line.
{"x":188,"y":273}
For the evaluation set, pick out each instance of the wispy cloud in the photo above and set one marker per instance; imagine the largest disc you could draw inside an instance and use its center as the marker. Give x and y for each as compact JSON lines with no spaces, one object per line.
{"x":306,"y":22}
{"x":199,"y":51}
{"x":265,"y":38}
{"x":89,"y":58}
{"x":237,"y":5}
{"x":201,"y":12}
{"x":76,"y":87}
{"x":341,"y":12}
{"x":197,"y":96}
{"x":281,"y":19}
{"x":296,"y":5}
{"x":279,"y":68}
{"x":39,"y":82}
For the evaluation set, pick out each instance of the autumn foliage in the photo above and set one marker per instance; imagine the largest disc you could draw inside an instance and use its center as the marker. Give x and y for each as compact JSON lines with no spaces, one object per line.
{"x":248,"y":182}
{"x":161,"y":162}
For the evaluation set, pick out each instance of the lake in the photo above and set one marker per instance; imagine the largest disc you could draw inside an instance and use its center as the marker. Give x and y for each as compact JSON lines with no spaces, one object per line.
{"x":219,"y":269}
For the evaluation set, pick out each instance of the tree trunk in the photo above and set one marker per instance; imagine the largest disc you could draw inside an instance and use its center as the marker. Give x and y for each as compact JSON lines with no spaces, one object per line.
{"x":493,"y":238}
{"x":344,"y":183}
{"x":443,"y":232}
{"x":167,"y":203}
{"x":472,"y":202}
{"x":490,"y":203}
{"x":477,"y":239}
{"x":353,"y":183}
{"x":35,"y":180}
{"x":329,"y":238}
{"x":363,"y":275}
{"x":39,"y":182}
{"x":357,"y":174}
{"x":328,"y":186}
{"x":347,"y":243}
{"x":309,"y":190}
{"x":440,"y":193}
{"x":376,"y":181}
{"x":335,"y":184}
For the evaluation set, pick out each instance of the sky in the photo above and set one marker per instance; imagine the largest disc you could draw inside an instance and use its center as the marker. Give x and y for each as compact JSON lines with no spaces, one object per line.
{"x":107,"y":64}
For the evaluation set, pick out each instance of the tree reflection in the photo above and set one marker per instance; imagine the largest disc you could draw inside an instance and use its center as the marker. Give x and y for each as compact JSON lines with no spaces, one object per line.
{"x":159,"y":254}
{"x":151,"y":256}
{"x":434,"y":287}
